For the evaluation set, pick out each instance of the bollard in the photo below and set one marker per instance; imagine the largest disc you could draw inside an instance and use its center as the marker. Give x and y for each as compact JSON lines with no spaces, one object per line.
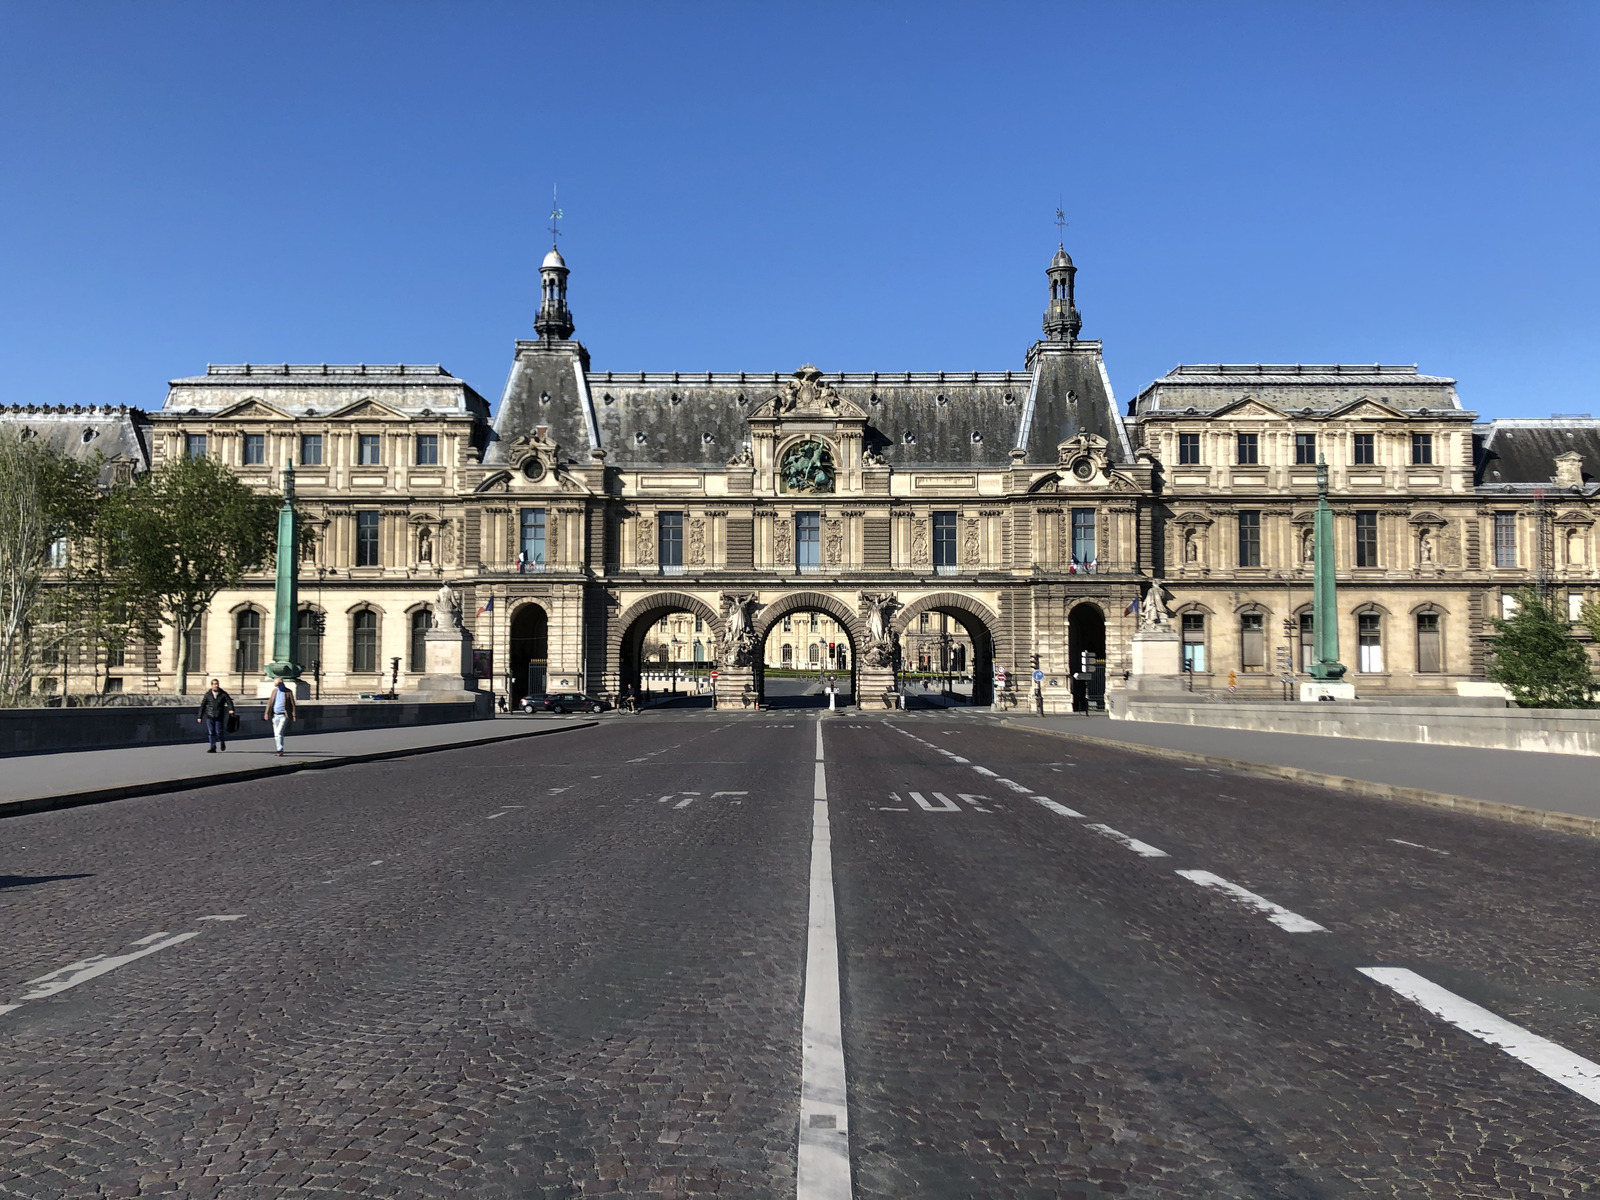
{"x":832,"y":692}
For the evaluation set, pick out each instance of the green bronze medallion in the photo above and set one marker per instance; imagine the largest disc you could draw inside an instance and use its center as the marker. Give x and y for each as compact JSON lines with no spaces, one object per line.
{"x":807,"y":467}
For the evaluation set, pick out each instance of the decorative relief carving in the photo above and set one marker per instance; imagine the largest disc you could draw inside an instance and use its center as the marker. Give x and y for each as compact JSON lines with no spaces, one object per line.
{"x":645,"y":542}
{"x":806,"y":395}
{"x":833,"y":542}
{"x":919,"y":542}
{"x":782,"y":540}
{"x":969,"y":542}
{"x":697,"y":542}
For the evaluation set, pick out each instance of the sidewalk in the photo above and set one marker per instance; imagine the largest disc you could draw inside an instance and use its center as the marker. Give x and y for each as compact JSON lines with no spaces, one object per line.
{"x":1558,"y":791}
{"x":37,"y":782}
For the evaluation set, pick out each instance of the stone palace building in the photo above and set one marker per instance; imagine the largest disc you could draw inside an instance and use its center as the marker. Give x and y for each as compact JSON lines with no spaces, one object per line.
{"x":1022,"y":511}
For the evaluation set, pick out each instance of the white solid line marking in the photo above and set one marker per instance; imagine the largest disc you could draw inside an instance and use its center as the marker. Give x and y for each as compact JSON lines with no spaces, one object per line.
{"x":240,"y":916}
{"x":1059,"y":808}
{"x":1276,"y":913}
{"x":1544,"y":1056}
{"x":823,"y":1166}
{"x":1144,"y":849}
{"x":154,"y":937}
{"x":1420,"y":846}
{"x":73,"y":974}
{"x":819,"y":788}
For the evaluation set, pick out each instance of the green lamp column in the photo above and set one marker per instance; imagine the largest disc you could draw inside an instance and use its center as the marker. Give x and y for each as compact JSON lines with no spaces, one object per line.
{"x":1324,"y":598}
{"x":287,"y":605}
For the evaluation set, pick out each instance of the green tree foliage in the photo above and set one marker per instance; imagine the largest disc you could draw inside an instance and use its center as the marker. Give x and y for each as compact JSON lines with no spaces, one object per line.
{"x":181,"y":534}
{"x":1536,"y":659}
{"x":45,"y":496}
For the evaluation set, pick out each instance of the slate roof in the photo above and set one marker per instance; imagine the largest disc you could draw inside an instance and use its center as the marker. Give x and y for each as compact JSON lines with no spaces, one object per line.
{"x":324,"y":387}
{"x":1521,"y":453}
{"x":1321,"y":387}
{"x":953,"y":419}
{"x":81,"y":431}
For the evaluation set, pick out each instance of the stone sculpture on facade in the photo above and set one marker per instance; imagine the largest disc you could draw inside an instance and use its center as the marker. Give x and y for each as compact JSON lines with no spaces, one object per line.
{"x":879,"y":607}
{"x":738,"y":638}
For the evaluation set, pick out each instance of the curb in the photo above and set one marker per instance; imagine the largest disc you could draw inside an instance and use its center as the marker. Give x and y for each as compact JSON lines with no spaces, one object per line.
{"x":157,"y":787}
{"x":1494,"y":810}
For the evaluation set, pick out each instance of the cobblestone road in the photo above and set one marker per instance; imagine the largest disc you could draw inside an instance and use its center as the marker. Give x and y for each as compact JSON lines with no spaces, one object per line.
{"x":574,"y":965}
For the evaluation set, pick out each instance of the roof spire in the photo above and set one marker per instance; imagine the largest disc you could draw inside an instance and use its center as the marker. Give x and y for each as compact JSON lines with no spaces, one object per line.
{"x":1061,"y":319}
{"x":554,"y":322}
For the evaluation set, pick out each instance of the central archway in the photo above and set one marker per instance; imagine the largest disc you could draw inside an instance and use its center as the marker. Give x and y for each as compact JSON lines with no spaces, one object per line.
{"x":975,"y":620}
{"x":817,"y":655}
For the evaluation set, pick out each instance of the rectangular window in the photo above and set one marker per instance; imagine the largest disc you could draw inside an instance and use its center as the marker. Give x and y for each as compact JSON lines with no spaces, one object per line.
{"x":56,"y":556}
{"x":1308,"y":641}
{"x":116,"y":656}
{"x":366,"y":539}
{"x":194,"y":658}
{"x":1367,"y":539}
{"x":1364,"y":449}
{"x":113,"y":685}
{"x":1188,"y":448}
{"x":1505,"y":539}
{"x":531,"y":542}
{"x":194,"y":445}
{"x":1083,"y":550}
{"x":1252,"y":642}
{"x":1249,"y":538}
{"x":808,"y":540}
{"x":1305,"y":449}
{"x":427,"y":449}
{"x":255,"y":449}
{"x":1421,"y":448}
{"x":368,"y":452}
{"x":311,"y":450}
{"x":669,"y":541}
{"x":1194,"y":642}
{"x":1249,"y":449}
{"x":1508,"y":606}
{"x":944,"y":539}
{"x":1574,"y":606}
{"x":1430,"y":656}
{"x":1369,"y":644}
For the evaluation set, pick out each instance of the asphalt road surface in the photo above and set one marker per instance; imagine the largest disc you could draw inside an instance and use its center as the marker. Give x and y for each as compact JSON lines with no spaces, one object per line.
{"x":578,"y":964}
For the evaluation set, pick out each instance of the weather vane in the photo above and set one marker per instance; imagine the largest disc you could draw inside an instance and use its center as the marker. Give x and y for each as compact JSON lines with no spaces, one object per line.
{"x":555,"y":217}
{"x":1061,"y":225}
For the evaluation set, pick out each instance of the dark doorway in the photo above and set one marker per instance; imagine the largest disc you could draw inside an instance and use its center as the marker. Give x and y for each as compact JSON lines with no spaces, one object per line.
{"x":530,"y":652}
{"x":805,"y":653}
{"x":1086,"y":633}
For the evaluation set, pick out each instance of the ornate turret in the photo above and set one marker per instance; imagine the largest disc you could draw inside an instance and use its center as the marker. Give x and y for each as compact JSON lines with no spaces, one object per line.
{"x":554,"y":322}
{"x":1061,"y":320}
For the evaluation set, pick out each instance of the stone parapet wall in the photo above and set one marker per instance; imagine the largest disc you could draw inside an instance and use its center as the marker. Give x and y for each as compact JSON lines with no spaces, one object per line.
{"x":1553,"y":731}
{"x":43,"y":730}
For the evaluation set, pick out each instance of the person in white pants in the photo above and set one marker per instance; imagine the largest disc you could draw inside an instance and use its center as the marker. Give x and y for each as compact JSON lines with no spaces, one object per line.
{"x":280,"y":711}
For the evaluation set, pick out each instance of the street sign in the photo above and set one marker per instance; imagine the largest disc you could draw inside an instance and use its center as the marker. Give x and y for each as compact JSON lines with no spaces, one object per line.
{"x":1038,"y":676}
{"x":713,"y":675}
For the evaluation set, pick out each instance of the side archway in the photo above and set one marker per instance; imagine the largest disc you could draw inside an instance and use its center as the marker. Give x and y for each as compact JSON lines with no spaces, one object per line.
{"x":1086,"y":633}
{"x":625,"y":641}
{"x":979,"y":622}
{"x":796,"y":602}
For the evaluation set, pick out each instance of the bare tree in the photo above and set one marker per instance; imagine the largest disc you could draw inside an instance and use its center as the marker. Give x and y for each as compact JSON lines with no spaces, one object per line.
{"x":45,"y":497}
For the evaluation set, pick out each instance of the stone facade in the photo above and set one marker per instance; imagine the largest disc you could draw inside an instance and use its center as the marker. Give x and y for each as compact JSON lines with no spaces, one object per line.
{"x":1022,"y":510}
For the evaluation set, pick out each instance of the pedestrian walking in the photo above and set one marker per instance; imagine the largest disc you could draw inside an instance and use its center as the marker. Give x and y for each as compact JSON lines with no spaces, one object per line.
{"x":216,"y":707}
{"x":280,"y":711}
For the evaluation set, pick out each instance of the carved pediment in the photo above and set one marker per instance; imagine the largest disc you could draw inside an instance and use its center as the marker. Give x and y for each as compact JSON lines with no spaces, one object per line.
{"x":1191,"y":520}
{"x":366,"y":409}
{"x":1426,"y":518}
{"x":1248,"y":408}
{"x":254,"y":408}
{"x":1365,"y":408}
{"x":807,"y":395}
{"x":535,"y":455}
{"x":1084,"y":458}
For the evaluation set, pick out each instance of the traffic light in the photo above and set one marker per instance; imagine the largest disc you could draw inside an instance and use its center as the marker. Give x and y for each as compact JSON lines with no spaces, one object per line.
{"x":1035,"y":662}
{"x":1088,"y":662}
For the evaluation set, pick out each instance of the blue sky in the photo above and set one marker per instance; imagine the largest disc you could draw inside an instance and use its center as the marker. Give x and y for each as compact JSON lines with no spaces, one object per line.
{"x":750,"y":187}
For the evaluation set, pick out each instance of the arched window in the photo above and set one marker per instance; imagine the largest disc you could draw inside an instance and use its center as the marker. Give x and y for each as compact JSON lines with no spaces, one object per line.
{"x":816,"y":654}
{"x":364,"y":641}
{"x":788,"y":655}
{"x":247,"y":634}
{"x":1369,"y":643}
{"x":421,"y":622}
{"x":1252,"y":641}
{"x":1194,"y":642}
{"x":308,"y":639}
{"x":1430,"y":644}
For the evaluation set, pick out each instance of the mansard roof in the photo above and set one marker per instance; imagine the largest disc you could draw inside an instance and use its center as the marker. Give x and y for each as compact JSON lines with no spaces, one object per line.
{"x":1320,"y":387}
{"x":1519,"y":454}
{"x":306,"y":389}
{"x":80,"y":431}
{"x":914,"y":419}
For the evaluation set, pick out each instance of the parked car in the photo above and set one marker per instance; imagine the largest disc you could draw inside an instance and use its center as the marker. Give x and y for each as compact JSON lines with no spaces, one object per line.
{"x":564,"y":702}
{"x":532,"y":703}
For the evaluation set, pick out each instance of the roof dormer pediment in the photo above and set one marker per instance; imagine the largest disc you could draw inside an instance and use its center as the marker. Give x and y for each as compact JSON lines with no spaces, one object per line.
{"x":366,"y":409}
{"x":253,"y":408}
{"x":1368,"y":409}
{"x":807,"y":396}
{"x":1247,"y":408}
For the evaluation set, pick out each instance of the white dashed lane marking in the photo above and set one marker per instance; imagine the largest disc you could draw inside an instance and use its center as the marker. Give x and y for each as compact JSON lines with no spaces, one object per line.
{"x":1276,"y":913}
{"x":1143,"y":849}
